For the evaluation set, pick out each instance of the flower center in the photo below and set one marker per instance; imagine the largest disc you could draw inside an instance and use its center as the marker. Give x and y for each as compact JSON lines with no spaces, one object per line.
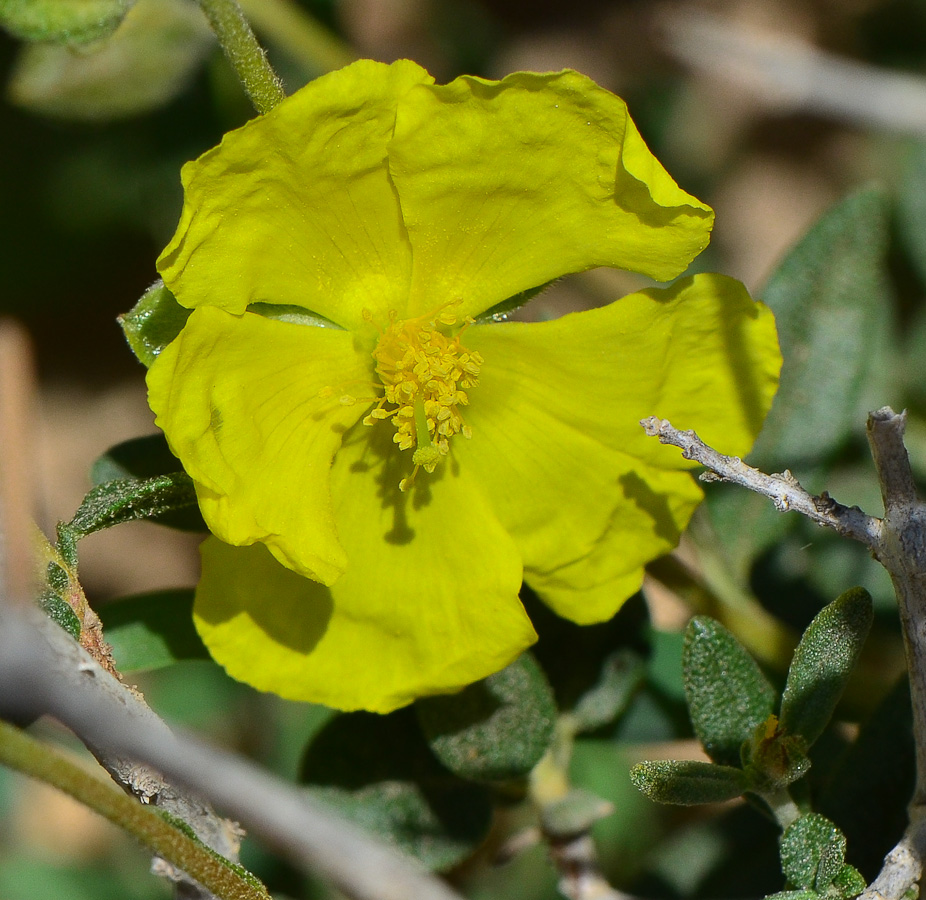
{"x":425,"y":374}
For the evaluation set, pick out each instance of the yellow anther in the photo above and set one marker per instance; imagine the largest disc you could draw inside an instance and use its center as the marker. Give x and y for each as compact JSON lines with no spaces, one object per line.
{"x":422,"y":370}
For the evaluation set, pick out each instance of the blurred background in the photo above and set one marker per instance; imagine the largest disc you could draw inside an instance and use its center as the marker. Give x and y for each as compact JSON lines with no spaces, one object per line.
{"x":771,"y":111}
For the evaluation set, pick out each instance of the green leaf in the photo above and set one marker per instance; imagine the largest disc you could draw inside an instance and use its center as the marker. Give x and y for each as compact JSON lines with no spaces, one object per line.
{"x":813,"y":852}
{"x":59,"y":611}
{"x":822,"y":663}
{"x":128,"y":499}
{"x":146,"y":457}
{"x":831,"y":305}
{"x":688,"y":782}
{"x":155,"y":320}
{"x":143,"y":65}
{"x":849,"y":882}
{"x":150,"y":631}
{"x":728,"y":696}
{"x":379,"y":772}
{"x":66,"y":21}
{"x":622,"y":674}
{"x":496,"y":729}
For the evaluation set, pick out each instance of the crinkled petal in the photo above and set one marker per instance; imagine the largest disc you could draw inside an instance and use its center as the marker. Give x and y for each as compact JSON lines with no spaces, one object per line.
{"x":557,"y":445}
{"x":238,"y":398}
{"x":428,"y":604}
{"x":507,"y":185}
{"x":297,"y":208}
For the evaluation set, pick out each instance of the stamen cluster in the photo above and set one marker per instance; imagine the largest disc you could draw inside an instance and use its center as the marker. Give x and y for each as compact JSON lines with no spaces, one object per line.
{"x":425,"y":375}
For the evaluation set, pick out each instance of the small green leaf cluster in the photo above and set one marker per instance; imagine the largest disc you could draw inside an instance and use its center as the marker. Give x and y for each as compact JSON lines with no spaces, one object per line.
{"x":813,"y":854}
{"x":759,"y":754}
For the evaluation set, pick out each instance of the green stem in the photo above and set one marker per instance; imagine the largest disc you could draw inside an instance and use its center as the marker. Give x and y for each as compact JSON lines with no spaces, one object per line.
{"x":248,"y":59}
{"x":24,"y":753}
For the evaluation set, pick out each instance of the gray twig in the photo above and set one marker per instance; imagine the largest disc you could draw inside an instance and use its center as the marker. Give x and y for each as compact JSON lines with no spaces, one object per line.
{"x":783,"y":489}
{"x":43,"y":671}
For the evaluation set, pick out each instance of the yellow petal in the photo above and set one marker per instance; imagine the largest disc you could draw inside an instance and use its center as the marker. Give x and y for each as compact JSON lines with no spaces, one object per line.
{"x":558,"y":448}
{"x":507,"y":185}
{"x":296,"y":207}
{"x":238,"y":398}
{"x":428,"y":603}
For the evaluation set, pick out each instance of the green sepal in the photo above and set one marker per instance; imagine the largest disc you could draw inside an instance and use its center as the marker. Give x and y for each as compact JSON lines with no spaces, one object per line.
{"x":574,"y":814}
{"x":146,"y":457}
{"x":813,"y":853}
{"x":379,"y":772}
{"x":496,"y":729}
{"x":153,"y":322}
{"x":128,"y":499}
{"x":150,"y":631}
{"x":622,"y":674}
{"x":62,"y":21}
{"x":295,"y":315}
{"x":688,"y":782}
{"x":59,"y":611}
{"x":501,"y":311}
{"x":822,"y":663}
{"x":728,"y":695}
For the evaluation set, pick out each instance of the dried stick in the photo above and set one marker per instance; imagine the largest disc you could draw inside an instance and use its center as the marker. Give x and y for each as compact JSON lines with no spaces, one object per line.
{"x":898,"y":542}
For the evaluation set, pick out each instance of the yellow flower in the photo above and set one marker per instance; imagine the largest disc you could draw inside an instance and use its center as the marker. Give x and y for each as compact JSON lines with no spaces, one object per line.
{"x":380,"y":460}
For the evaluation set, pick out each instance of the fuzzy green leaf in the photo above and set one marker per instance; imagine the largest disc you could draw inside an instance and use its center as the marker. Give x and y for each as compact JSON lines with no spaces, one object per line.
{"x":379,"y":772}
{"x":830,"y":300}
{"x":823,"y":662}
{"x":65,"y":21}
{"x":128,"y":499}
{"x":728,"y":695}
{"x":813,"y":852}
{"x":688,"y":782}
{"x":150,"y":631}
{"x":155,"y":320}
{"x":849,"y":882}
{"x":59,"y":611}
{"x":146,"y":457}
{"x":496,"y":729}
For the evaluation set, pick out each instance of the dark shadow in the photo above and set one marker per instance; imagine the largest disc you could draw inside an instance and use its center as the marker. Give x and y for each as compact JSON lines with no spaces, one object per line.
{"x":655,"y":505}
{"x":292,"y":610}
{"x":390,"y":465}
